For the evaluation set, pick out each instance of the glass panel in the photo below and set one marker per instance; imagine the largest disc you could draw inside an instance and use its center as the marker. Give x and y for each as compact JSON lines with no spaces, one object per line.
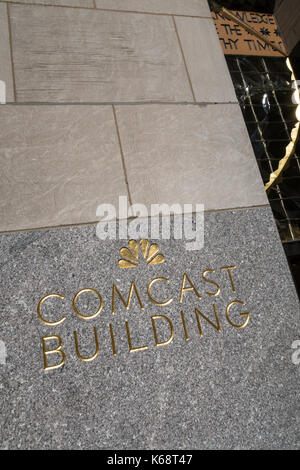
{"x":264,"y":90}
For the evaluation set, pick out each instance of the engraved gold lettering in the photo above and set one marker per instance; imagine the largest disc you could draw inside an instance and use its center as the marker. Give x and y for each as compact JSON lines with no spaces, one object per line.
{"x":57,"y":350}
{"x":131,"y":348}
{"x":126,"y":304}
{"x":216,"y":326}
{"x":228,"y":269}
{"x":186,"y":289}
{"x":162,"y":317}
{"x":215,"y":294}
{"x":184,"y":326}
{"x":87,"y":359}
{"x":52,"y":323}
{"x":94,"y":315}
{"x":244,"y":314}
{"x":160,"y":304}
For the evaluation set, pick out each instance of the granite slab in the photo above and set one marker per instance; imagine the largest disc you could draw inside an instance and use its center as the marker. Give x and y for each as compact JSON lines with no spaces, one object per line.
{"x":213,"y":385}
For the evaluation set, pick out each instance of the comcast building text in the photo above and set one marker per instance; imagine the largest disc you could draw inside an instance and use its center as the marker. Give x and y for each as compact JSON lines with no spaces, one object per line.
{"x":157,"y":296}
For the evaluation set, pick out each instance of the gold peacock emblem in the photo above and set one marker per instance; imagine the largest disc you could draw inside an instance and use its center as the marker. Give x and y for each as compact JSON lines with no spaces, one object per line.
{"x":130,"y":255}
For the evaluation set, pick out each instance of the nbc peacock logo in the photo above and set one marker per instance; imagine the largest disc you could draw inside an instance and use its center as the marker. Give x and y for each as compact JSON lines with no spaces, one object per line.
{"x":131,"y":256}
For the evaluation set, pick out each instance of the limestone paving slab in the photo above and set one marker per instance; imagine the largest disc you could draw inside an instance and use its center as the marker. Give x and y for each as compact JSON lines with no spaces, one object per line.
{"x":232,"y":389}
{"x":81,"y":55}
{"x":205,"y":60}
{"x":68,"y":3}
{"x":58,"y":163}
{"x":175,"y":7}
{"x":189,"y":155}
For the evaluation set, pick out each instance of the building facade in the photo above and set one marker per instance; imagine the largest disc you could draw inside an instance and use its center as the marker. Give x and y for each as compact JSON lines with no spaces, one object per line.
{"x":134,"y":341}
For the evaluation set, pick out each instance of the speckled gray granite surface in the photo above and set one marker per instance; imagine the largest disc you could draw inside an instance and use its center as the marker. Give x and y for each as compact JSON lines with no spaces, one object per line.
{"x":232,"y":389}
